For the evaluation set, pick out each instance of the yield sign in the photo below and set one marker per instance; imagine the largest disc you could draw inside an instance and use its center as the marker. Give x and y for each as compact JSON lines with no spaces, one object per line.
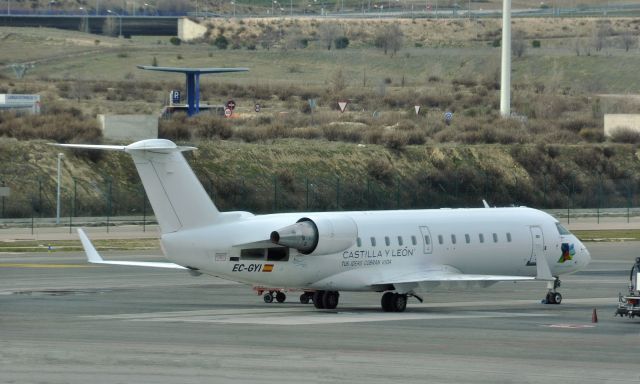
{"x":417,"y":108}
{"x":342,"y":104}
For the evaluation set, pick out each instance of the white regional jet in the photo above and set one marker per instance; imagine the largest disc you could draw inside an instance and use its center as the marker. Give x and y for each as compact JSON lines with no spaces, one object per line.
{"x":400,"y":253}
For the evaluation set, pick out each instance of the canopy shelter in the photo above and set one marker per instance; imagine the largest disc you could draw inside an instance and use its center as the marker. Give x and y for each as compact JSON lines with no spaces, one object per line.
{"x":193,"y":81}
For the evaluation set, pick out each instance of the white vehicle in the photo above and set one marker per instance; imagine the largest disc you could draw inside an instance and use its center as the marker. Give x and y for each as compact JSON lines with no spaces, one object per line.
{"x":400,"y":253}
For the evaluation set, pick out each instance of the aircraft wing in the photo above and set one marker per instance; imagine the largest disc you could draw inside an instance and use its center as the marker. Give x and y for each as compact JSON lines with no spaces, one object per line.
{"x":446,"y":274}
{"x":94,"y":257}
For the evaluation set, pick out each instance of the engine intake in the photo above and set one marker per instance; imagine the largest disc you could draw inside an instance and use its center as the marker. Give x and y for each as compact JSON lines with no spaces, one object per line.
{"x":320,"y":235}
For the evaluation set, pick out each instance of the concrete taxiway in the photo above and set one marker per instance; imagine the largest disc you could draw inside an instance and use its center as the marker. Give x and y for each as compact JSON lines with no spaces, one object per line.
{"x":63,"y":321}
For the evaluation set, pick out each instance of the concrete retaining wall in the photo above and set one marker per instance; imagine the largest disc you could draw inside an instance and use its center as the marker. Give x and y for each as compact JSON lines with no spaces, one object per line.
{"x":617,"y":121}
{"x":125,"y":129}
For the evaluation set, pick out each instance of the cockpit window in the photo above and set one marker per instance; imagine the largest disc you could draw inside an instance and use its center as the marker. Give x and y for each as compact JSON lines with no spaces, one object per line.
{"x":562,"y":230}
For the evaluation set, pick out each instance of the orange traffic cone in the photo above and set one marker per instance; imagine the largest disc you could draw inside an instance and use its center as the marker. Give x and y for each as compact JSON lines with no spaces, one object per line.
{"x":594,"y":316}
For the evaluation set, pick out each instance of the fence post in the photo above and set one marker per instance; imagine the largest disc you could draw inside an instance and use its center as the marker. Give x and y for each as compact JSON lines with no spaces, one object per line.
{"x":275,"y":193}
{"x":398,"y":193}
{"x":109,"y":190}
{"x":144,"y":210}
{"x":337,"y":193}
{"x":306,"y":181}
{"x":3,"y":200}
{"x":75,"y":196}
{"x":72,"y":208}
{"x":40,"y":195}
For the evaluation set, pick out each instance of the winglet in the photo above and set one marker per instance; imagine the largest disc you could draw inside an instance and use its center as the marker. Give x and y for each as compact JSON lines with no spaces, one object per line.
{"x":543,"y":272}
{"x":484,"y":202}
{"x":92,"y":255}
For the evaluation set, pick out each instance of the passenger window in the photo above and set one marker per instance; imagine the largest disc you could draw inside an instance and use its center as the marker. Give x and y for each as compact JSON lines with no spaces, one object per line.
{"x":467,"y":238}
{"x":440,"y":240}
{"x":508,"y":237}
{"x":453,"y":239}
{"x":413,"y":240}
{"x":387,"y":241}
{"x":373,"y":241}
{"x":400,"y":241}
{"x":359,"y":241}
{"x":481,"y":237}
{"x":427,"y":240}
{"x":495,"y":237}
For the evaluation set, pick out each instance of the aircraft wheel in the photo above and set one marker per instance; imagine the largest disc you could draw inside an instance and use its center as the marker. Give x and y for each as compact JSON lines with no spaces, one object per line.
{"x":549,"y":298}
{"x":399,"y":302}
{"x":330,"y":299}
{"x":304,"y":298}
{"x":281,"y":297}
{"x":557,"y":298}
{"x":268,"y":298}
{"x":387,"y":301}
{"x":318,"y":301}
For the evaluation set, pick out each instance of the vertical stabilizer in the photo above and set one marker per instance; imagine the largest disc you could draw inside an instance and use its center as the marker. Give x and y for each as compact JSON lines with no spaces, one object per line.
{"x":177,"y":197}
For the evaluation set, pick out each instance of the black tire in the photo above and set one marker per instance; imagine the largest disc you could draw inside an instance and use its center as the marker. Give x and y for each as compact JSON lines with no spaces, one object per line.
{"x":304,"y":298}
{"x":268,"y":298}
{"x":387,"y":301}
{"x":318,"y":301}
{"x":330,"y":299}
{"x":549,"y":298}
{"x":557,"y":298}
{"x":399,"y":302}
{"x":281,"y":297}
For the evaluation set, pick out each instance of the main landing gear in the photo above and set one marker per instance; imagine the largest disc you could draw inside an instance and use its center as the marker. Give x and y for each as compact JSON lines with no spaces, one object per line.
{"x":394,"y":302}
{"x":325,"y":299}
{"x":279,"y":296}
{"x":553,"y":297}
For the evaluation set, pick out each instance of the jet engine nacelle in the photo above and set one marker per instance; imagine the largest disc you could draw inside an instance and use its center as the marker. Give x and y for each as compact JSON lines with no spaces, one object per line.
{"x":320,"y":235}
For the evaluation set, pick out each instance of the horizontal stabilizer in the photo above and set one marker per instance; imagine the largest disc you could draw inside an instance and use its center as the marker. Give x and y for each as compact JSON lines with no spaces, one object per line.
{"x":94,"y":257}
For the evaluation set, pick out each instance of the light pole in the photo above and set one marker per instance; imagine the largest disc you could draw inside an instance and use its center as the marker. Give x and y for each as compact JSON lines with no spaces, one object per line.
{"x":505,"y":78}
{"x":119,"y":19}
{"x":155,"y":10}
{"x":60,"y":157}
{"x":85,"y":20}
{"x":97,"y":7}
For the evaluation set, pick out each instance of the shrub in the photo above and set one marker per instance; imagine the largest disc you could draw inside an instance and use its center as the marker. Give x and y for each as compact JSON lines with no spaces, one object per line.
{"x":175,"y":40}
{"x":625,"y":135}
{"x":341,"y":42}
{"x":395,"y":140}
{"x":535,"y":43}
{"x":221,"y":42}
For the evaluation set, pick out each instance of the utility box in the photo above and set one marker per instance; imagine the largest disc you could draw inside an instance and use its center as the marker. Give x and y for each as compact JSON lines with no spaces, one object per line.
{"x":21,"y":103}
{"x":128,"y":128}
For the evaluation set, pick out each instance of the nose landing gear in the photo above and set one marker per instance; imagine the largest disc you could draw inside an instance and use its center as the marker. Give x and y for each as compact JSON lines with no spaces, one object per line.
{"x":553,"y":297}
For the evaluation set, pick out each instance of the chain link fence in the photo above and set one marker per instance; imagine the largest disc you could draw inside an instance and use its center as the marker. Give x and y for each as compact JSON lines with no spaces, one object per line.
{"x":35,"y":201}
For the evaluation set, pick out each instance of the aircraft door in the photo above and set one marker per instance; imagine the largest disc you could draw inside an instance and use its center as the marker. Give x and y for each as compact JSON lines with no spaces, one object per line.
{"x":537,"y":249}
{"x":426,"y":240}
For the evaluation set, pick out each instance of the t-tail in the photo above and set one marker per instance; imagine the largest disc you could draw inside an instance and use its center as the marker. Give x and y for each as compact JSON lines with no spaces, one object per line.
{"x":177,"y":197}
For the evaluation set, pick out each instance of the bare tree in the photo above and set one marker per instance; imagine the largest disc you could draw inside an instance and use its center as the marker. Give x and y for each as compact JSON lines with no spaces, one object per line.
{"x":328,"y":33}
{"x":600,"y":37}
{"x":269,"y":37}
{"x":518,"y":45}
{"x":110,"y":27}
{"x":628,"y":40}
{"x":338,"y":82}
{"x":389,"y":38}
